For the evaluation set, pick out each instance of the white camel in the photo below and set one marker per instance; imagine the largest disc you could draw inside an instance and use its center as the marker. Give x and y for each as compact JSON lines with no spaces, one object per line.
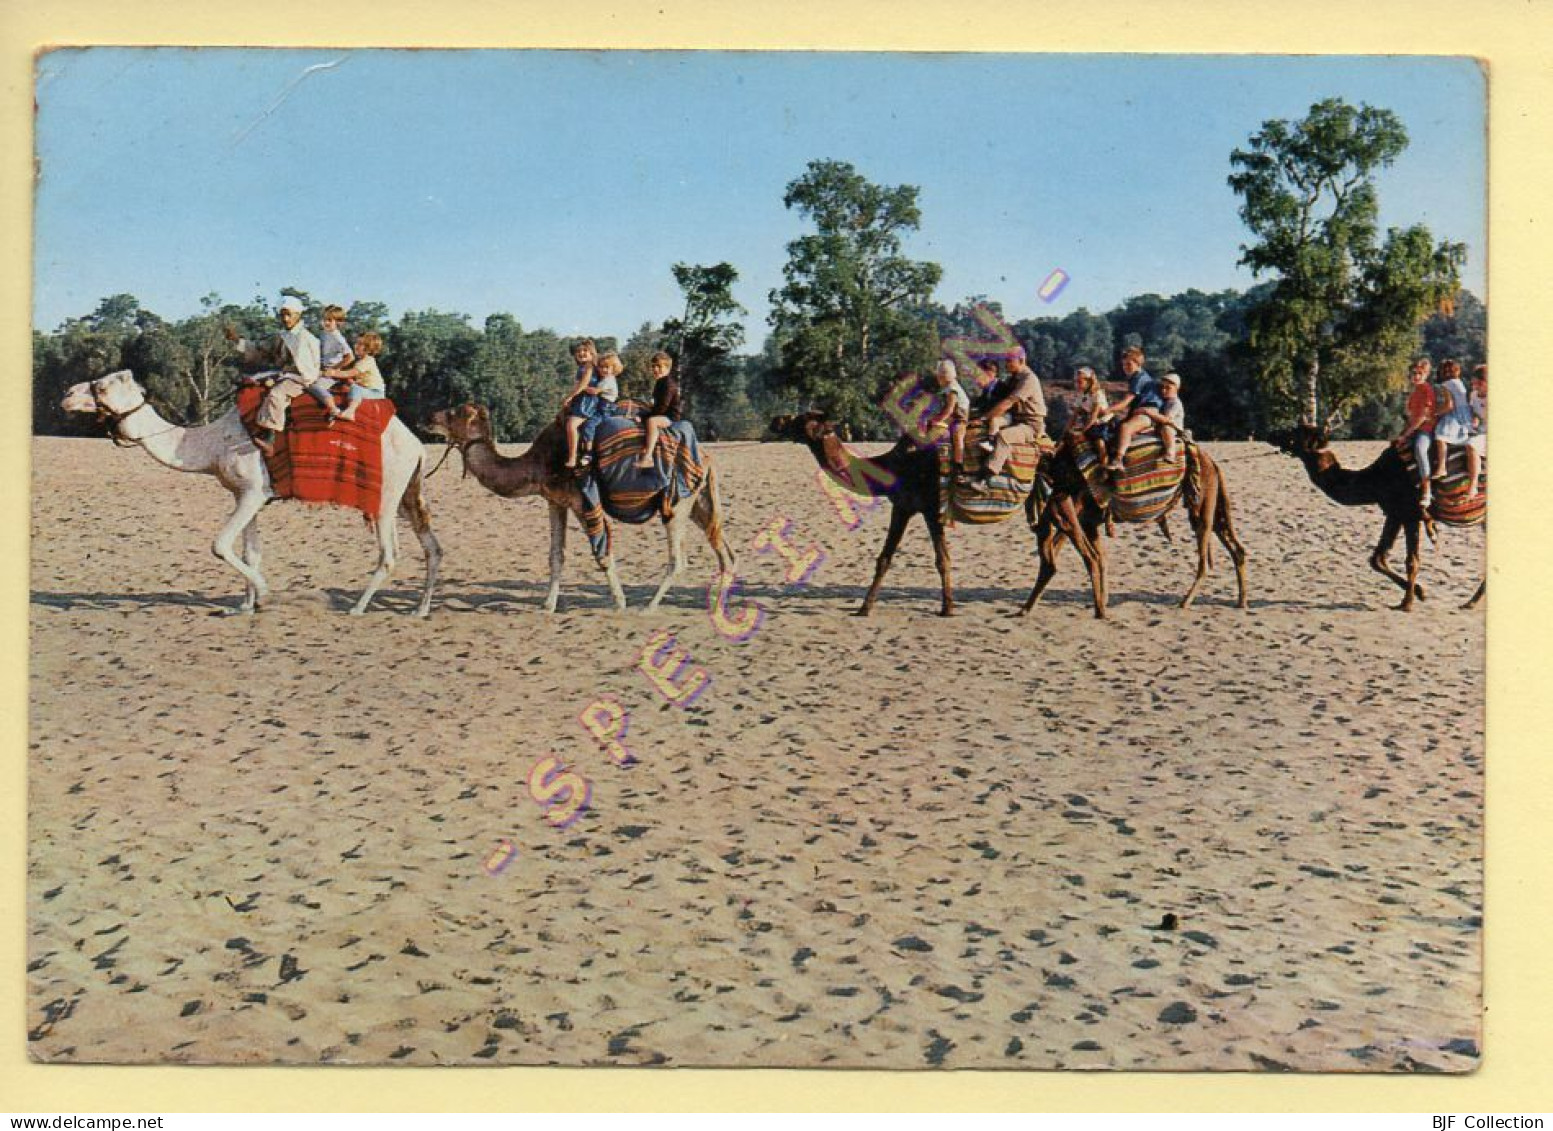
{"x":224,"y":449}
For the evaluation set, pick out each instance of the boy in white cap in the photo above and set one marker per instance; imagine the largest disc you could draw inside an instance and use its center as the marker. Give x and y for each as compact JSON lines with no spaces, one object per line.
{"x":294,"y":355}
{"x":1171,"y":417}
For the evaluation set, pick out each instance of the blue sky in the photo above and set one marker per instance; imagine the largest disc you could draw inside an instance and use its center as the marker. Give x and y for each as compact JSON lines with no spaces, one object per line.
{"x":561,"y":186}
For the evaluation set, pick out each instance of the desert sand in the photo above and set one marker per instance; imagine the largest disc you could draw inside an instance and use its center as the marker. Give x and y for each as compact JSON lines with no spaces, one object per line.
{"x":899,"y":842}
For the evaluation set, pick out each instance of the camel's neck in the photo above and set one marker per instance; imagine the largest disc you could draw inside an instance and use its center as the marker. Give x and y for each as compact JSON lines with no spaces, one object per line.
{"x":872,"y":477}
{"x":506,"y":475}
{"x":182,"y":449}
{"x":1340,"y":484}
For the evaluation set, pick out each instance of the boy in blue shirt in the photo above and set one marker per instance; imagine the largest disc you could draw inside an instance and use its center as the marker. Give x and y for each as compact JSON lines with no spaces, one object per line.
{"x":1143,"y":395}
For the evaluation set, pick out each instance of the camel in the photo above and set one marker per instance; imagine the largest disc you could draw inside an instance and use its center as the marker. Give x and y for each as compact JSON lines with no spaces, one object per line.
{"x":1386,"y":483}
{"x":538,"y":471}
{"x":906,"y":475}
{"x":1072,"y":513}
{"x":224,"y":449}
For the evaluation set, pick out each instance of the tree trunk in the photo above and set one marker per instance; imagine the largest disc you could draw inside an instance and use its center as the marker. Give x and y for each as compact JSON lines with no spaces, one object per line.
{"x":1312,"y":399}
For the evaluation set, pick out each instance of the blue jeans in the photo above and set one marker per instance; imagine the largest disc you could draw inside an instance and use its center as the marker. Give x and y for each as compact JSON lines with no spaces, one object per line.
{"x":1421,"y":443}
{"x":362,"y":393}
{"x":591,"y":409}
{"x":320,"y":392}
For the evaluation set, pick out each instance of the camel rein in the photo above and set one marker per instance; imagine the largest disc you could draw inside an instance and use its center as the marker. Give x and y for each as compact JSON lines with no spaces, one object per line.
{"x":114,"y":419}
{"x":446,"y":453}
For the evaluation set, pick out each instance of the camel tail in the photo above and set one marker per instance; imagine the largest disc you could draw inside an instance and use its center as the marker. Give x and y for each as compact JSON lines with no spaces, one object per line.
{"x":413,"y":504}
{"x":708,"y":513}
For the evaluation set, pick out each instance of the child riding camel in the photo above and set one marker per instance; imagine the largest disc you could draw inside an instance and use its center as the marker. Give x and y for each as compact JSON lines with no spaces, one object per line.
{"x":665,"y":407}
{"x":592,"y":398}
{"x":1143,"y":394}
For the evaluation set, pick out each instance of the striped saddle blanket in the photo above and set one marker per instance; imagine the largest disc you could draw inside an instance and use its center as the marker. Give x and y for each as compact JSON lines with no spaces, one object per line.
{"x":1146,"y":489}
{"x":1451,"y":505}
{"x":996,"y":499}
{"x":319,"y":463}
{"x":615,"y":487}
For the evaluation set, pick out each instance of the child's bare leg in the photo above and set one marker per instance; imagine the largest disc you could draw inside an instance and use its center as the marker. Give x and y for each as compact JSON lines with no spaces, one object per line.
{"x":654,"y":426}
{"x":1474,"y":471}
{"x":1439,"y":460}
{"x":355,"y":400}
{"x":573,"y":426}
{"x":1130,"y":428}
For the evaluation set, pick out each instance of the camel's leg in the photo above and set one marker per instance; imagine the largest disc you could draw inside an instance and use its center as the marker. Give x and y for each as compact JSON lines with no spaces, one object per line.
{"x":1086,"y":540}
{"x":387,"y":531}
{"x":616,"y":593}
{"x":1224,"y":527}
{"x":707,"y":513}
{"x":899,"y":517}
{"x":1411,"y":532}
{"x":1163,"y":522}
{"x":254,"y":556}
{"x":557,"y":555}
{"x":1049,"y":538}
{"x":1202,"y":518}
{"x":249,"y":504}
{"x":1478,"y":596}
{"x":935,"y":529}
{"x":1089,"y":531}
{"x":1388,"y":539}
{"x":413,"y":506}
{"x":674,"y":531}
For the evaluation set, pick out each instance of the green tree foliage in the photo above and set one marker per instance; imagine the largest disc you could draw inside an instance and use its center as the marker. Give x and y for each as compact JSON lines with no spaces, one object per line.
{"x":703,"y":339}
{"x":843,"y":315}
{"x":1345,"y":307}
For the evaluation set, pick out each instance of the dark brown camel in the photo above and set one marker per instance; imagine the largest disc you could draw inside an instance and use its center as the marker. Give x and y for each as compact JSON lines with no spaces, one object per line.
{"x":905,"y":475}
{"x":1071,"y":512}
{"x":1387,"y":484}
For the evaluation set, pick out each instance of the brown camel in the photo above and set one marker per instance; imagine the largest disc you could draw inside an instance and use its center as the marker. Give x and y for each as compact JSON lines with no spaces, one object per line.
{"x":1387,"y":484}
{"x":1071,"y":512}
{"x":538,"y":471}
{"x":906,"y":475}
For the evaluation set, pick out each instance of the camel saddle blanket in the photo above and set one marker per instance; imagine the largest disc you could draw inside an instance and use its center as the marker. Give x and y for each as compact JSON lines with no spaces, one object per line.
{"x":317,"y":463}
{"x":615,"y":487}
{"x":1146,"y":489}
{"x":1451,"y":505}
{"x":979,"y":503}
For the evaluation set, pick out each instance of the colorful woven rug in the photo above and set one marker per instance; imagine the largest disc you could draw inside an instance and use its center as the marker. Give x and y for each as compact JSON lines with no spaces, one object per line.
{"x":1004,"y":494}
{"x":1451,"y":505}
{"x":1146,"y":489}
{"x":318,"y":463}
{"x":616,"y":488}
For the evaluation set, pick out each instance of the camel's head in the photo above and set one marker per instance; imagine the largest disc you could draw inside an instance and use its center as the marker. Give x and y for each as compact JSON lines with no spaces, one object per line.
{"x":804,"y":427}
{"x":462,"y":425}
{"x":117,"y":394}
{"x":1303,"y":439}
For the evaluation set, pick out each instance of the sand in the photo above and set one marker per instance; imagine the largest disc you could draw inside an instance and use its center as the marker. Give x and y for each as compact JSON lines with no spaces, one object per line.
{"x":898,"y":842}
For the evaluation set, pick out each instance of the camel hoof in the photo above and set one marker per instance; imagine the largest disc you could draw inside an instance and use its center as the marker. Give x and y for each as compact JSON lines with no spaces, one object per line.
{"x":358,"y":612}
{"x":863,"y":612}
{"x":946,"y":612}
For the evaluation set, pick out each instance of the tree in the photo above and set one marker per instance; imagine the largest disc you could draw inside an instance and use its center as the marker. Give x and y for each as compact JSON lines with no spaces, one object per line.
{"x":844,"y":314}
{"x":434,"y":362}
{"x":704,"y":338}
{"x":1344,"y":311}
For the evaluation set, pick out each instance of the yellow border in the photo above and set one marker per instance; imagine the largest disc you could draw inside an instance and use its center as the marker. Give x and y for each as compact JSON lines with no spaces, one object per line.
{"x":1510,"y":34}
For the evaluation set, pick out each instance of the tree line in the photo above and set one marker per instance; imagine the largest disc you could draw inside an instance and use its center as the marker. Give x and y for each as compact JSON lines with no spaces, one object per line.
{"x":1329,"y":328}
